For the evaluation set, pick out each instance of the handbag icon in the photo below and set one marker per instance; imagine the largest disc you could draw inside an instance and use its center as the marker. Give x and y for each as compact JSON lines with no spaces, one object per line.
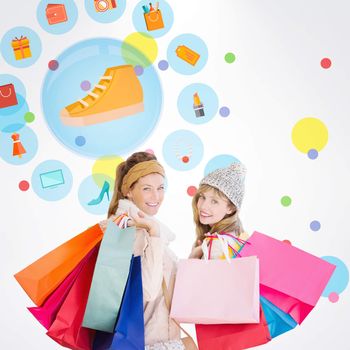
{"x":8,"y":96}
{"x":56,"y":13}
{"x":154,"y":20}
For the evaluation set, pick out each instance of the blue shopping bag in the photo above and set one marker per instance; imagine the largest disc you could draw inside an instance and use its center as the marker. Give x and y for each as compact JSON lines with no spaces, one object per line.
{"x":277,"y":320}
{"x":129,"y":332}
{"x":110,"y":278}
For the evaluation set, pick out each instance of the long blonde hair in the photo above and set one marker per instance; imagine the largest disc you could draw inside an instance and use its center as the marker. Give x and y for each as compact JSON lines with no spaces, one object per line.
{"x":121,"y":171}
{"x":230,"y":222}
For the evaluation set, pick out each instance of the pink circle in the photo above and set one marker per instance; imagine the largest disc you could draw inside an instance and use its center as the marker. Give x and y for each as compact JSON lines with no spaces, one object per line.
{"x":287,"y":241}
{"x":149,"y":150}
{"x":191,"y":190}
{"x":23,"y":185}
{"x":333,"y":297}
{"x":326,"y":63}
{"x":53,"y":65}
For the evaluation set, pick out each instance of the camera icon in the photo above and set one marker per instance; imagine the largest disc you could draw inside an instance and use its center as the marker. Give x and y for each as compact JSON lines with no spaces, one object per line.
{"x":104,"y":5}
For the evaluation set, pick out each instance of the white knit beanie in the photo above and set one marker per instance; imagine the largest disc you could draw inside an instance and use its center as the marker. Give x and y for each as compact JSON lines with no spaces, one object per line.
{"x":230,"y":181}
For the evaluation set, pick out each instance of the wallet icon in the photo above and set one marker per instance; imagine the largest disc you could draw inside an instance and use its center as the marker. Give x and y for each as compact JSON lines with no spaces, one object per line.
{"x":56,"y":13}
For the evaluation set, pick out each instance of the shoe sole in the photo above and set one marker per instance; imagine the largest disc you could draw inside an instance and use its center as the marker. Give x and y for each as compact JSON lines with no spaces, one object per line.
{"x":98,"y":118}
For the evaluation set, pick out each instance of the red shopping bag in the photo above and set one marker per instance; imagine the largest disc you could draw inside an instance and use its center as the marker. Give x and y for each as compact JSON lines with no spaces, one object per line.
{"x":43,"y":276}
{"x":67,"y":328}
{"x":290,"y":278}
{"x":8,"y":96}
{"x":233,"y":336}
{"x":46,"y":314}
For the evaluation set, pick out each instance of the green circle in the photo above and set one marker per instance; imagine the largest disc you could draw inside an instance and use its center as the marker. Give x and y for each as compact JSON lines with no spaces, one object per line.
{"x":230,"y":57}
{"x":286,"y":201}
{"x":29,"y":117}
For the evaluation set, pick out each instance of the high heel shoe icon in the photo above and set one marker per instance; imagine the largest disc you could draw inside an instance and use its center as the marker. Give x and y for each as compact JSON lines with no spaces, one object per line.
{"x":98,"y":200}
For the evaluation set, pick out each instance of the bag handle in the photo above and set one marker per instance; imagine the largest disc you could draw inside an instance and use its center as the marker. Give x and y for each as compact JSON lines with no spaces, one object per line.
{"x":156,"y":17}
{"x":10,"y":92}
{"x":167,"y":303}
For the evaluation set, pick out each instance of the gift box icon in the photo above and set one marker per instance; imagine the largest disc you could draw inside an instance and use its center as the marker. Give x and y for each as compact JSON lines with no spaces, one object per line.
{"x":56,"y":13}
{"x":21,"y":48}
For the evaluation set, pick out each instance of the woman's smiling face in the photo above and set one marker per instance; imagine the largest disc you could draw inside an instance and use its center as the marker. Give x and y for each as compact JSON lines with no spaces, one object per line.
{"x":212,"y":208}
{"x":148,"y":193}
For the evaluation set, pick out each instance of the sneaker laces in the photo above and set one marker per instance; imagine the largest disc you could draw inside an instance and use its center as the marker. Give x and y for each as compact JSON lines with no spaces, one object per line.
{"x":95,"y":96}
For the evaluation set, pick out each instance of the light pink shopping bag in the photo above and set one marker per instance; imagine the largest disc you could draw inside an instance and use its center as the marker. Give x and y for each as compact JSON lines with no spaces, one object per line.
{"x":290,"y":278}
{"x":216,"y":291}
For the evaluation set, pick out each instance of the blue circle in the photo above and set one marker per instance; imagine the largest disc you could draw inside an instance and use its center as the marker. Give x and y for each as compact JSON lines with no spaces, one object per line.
{"x":163,"y":65}
{"x":224,"y":112}
{"x":30,"y":54}
{"x":202,"y":113}
{"x":28,"y":140}
{"x":219,"y":162}
{"x":66,"y":11}
{"x":162,"y":20}
{"x":12,"y":118}
{"x":80,"y":141}
{"x":340,"y":278}
{"x":315,"y":225}
{"x":181,"y":44}
{"x":110,"y":15}
{"x":180,"y":144}
{"x":312,"y":154}
{"x":19,"y":87}
{"x":95,"y":193}
{"x":52,"y":180}
{"x":88,"y":60}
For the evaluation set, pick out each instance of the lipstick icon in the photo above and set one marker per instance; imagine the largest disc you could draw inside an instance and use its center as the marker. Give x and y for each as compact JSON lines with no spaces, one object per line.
{"x":198,"y":106}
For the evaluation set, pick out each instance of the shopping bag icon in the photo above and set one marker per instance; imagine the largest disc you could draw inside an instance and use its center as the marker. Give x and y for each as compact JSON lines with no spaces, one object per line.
{"x":56,"y":13}
{"x":154,"y":20}
{"x":8,"y":96}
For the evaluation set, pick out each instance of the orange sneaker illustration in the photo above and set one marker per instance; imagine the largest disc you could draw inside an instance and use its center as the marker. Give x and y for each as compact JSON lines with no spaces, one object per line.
{"x":118,"y":94}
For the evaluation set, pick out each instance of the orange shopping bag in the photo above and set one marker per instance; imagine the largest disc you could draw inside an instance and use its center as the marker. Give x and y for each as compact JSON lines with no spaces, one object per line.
{"x":154,"y":20}
{"x":43,"y":276}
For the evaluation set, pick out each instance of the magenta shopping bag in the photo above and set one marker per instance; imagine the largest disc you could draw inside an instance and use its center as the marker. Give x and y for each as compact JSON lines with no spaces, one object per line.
{"x":46,"y":314}
{"x":216,"y":291}
{"x":290,"y":278}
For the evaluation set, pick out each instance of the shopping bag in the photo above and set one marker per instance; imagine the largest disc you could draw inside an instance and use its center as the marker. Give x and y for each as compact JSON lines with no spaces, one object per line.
{"x":67,"y":328}
{"x":277,"y":320}
{"x":223,"y":291}
{"x":8,"y":96}
{"x":43,"y":276}
{"x":154,"y":20}
{"x":110,"y":277}
{"x":46,"y":313}
{"x":129,"y":332}
{"x":232,"y":336}
{"x":56,"y":13}
{"x":290,"y":278}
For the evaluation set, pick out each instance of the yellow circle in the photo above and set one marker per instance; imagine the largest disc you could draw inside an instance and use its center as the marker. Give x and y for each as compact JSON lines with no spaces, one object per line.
{"x":309,"y":133}
{"x":145,"y":44}
{"x":107,"y":166}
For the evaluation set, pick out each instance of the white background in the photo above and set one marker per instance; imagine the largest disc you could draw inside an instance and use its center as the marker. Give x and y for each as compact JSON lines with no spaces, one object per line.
{"x":275,"y":81}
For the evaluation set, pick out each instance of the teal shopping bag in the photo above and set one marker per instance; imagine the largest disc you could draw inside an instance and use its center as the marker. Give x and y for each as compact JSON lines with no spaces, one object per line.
{"x":110,"y":278}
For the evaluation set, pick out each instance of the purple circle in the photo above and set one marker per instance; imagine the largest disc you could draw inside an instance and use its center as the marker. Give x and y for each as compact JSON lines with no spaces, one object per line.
{"x":224,"y":111}
{"x":312,"y":154}
{"x":315,"y":225}
{"x":80,"y":140}
{"x":138,"y":70}
{"x":53,"y":65}
{"x":163,"y":65}
{"x":85,"y":85}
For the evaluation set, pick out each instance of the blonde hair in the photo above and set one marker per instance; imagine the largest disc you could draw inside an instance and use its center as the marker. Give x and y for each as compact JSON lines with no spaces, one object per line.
{"x":121,"y":171}
{"x":230,"y":222}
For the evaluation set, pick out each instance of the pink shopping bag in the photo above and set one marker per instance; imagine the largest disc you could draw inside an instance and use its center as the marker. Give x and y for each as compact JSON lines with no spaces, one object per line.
{"x":290,"y":278}
{"x":216,"y":291}
{"x":46,"y":314}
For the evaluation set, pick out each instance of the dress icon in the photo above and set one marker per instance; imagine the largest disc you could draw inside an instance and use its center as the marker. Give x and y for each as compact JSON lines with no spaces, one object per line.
{"x":18,"y":148}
